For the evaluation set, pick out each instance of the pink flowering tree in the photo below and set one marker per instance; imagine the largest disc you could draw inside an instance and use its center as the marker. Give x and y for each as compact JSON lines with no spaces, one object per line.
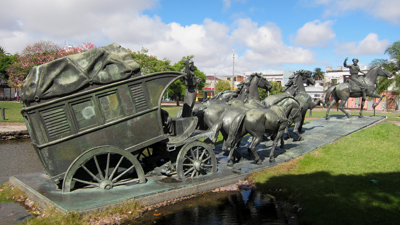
{"x":38,"y":54}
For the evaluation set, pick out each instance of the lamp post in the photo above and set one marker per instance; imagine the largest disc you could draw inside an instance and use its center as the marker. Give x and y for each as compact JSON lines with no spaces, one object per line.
{"x":233,"y":68}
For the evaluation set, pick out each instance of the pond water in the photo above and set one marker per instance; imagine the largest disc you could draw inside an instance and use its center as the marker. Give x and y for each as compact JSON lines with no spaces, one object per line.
{"x":18,"y":157}
{"x":244,"y":207}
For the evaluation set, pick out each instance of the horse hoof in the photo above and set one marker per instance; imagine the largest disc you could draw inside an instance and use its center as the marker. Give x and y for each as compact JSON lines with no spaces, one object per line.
{"x":271,"y":160}
{"x":327,"y":118}
{"x":300,"y":139}
{"x":259,"y":162}
{"x":360,"y":116}
{"x":230,"y":164}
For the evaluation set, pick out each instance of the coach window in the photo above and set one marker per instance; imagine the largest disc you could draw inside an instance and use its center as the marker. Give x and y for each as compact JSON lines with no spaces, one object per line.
{"x":85,"y":114}
{"x":110,"y":106}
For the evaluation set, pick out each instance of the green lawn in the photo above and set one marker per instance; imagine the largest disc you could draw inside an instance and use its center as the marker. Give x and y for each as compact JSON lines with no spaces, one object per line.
{"x":352,"y":181}
{"x":12,"y":112}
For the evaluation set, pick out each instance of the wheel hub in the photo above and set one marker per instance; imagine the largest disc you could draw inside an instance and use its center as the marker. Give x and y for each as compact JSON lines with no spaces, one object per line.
{"x":106,"y":184}
{"x":198,"y":165}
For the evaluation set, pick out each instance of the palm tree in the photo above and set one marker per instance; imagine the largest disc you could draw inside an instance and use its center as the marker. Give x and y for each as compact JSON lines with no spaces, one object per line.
{"x":318,"y":74}
{"x":3,"y":51}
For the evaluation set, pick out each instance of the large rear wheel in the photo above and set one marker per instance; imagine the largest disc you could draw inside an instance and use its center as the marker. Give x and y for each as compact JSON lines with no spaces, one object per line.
{"x":103,"y":167}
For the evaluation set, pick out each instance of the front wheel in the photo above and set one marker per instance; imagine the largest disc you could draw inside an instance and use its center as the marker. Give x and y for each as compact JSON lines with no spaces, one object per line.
{"x":195,"y":159}
{"x":103,"y":167}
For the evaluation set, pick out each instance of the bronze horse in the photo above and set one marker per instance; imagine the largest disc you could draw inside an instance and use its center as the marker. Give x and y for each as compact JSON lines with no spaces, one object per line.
{"x":295,"y":87}
{"x":344,"y":91}
{"x":212,"y":112}
{"x":258,"y":121}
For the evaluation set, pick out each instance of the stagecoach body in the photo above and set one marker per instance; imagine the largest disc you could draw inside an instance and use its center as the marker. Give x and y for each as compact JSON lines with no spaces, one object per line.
{"x":97,"y":134}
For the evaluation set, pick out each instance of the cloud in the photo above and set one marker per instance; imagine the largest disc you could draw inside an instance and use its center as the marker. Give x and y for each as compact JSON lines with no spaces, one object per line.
{"x":370,"y":45}
{"x":315,"y":34}
{"x":383,"y":9}
{"x":122,"y":21}
{"x":264,"y":46}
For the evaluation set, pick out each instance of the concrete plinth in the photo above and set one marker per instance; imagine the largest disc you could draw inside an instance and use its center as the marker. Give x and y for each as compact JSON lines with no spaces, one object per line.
{"x":317,"y":133}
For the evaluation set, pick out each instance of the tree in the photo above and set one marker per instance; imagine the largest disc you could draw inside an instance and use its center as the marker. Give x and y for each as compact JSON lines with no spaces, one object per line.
{"x":222,"y":85}
{"x":394,"y":52}
{"x":149,"y":63}
{"x":3,"y":51}
{"x":393,"y":65}
{"x":275,"y":90}
{"x":6,"y":60}
{"x":38,"y":54}
{"x":318,"y":74}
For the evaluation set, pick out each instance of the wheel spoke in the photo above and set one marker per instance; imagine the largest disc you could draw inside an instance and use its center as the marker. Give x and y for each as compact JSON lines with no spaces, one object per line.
{"x":98,"y":168}
{"x":126,"y":182}
{"x":85,"y":182}
{"x":188,"y":171}
{"x":187,"y":164}
{"x":107,"y":165}
{"x":116,"y":168}
{"x":197,"y":153}
{"x":192,"y":153}
{"x":206,"y":159}
{"x":206,"y":165}
{"x":133,"y":166}
{"x":202,"y":154}
{"x":90,"y":173}
{"x":187,"y":157}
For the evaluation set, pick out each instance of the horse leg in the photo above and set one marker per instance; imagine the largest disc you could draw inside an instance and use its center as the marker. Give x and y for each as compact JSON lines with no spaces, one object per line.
{"x":216,"y":128}
{"x":287,"y":133}
{"x":302,"y":121}
{"x":252,"y":148}
{"x":282,"y":142}
{"x":333,"y":102}
{"x":274,"y":144}
{"x":341,"y":107}
{"x":230,"y":158}
{"x":376,"y":95}
{"x":361,"y":108}
{"x":297,"y":122}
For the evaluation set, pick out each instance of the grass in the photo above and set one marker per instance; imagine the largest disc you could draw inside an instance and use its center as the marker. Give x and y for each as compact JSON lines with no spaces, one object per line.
{"x":12,"y":112}
{"x":117,"y":214}
{"x":320,"y":113}
{"x":352,"y":181}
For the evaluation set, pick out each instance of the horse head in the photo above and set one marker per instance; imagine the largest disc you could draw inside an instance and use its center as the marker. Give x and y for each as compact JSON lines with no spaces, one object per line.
{"x":372,"y":74}
{"x":261,"y":81}
{"x":307,"y":78}
{"x":382,"y":71}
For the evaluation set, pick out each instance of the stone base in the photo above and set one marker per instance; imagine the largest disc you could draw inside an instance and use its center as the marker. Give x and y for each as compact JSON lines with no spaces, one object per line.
{"x":40,"y":189}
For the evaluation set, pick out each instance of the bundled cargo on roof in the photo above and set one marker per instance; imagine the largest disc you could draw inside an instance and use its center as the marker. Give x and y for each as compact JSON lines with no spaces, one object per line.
{"x":77,"y":72}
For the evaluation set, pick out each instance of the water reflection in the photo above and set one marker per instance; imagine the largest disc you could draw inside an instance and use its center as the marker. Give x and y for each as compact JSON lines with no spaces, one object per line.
{"x":18,"y":157}
{"x":245,"y":207}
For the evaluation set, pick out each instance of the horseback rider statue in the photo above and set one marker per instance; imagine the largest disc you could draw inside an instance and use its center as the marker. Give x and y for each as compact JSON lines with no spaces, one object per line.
{"x":354,"y":70}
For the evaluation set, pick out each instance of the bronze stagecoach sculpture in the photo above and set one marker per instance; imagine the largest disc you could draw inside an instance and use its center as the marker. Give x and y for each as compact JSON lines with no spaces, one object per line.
{"x":96,"y":121}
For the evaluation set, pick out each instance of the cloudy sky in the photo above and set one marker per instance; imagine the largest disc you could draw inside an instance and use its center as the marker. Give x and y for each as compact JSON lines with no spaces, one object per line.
{"x":264,"y":35}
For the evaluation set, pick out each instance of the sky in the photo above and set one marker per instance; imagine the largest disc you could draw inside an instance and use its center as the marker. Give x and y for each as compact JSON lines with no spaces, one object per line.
{"x":223,"y":35}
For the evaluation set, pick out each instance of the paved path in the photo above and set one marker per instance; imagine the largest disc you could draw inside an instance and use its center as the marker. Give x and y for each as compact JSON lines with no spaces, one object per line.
{"x":158,"y":189}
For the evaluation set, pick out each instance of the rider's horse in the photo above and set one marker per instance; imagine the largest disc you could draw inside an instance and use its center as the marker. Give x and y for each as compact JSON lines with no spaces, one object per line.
{"x":343,"y":91}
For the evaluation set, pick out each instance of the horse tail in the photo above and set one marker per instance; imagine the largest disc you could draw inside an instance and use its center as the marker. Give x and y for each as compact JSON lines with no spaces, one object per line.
{"x":234,"y":130}
{"x":328,"y":94}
